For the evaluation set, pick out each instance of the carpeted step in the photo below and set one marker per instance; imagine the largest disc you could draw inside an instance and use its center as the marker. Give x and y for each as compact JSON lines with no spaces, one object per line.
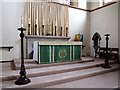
{"x":49,"y":80}
{"x":30,"y":64}
{"x":50,"y":70}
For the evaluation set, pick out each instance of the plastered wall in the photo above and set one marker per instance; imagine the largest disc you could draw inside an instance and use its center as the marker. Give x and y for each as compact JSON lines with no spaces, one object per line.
{"x":104,"y":21}
{"x":11,"y":17}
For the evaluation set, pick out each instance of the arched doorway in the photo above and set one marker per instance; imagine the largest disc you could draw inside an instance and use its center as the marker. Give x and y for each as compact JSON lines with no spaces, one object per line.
{"x":96,"y":42}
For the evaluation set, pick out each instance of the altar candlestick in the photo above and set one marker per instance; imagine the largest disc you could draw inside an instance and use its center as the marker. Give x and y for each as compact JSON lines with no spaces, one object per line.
{"x":23,"y":78}
{"x":106,"y":64}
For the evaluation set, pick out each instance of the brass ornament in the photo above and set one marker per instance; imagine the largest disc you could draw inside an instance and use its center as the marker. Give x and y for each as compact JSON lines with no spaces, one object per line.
{"x":62,"y":53}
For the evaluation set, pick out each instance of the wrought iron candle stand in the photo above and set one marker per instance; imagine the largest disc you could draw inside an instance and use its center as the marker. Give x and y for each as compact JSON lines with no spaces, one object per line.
{"x":106,"y":64}
{"x":22,"y":79}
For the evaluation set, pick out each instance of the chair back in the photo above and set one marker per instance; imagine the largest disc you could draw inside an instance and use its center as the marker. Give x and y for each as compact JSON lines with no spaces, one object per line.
{"x":102,"y":49}
{"x":115,"y":50}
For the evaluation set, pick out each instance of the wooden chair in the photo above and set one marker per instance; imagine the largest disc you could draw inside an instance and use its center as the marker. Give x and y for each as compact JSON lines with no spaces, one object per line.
{"x":109,"y":53}
{"x":101,"y":52}
{"x":115,"y":53}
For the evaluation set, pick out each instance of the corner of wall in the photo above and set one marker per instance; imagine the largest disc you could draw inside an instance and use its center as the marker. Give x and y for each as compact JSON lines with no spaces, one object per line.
{"x":119,"y":28}
{"x":0,"y":23}
{"x":105,"y":21}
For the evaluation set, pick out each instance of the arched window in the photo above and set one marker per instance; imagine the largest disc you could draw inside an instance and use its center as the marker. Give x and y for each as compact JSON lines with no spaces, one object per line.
{"x":103,"y":2}
{"x":74,"y":3}
{"x":108,"y":1}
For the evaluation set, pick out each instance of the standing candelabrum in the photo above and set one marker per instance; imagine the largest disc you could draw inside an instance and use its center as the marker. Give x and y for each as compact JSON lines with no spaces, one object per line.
{"x":106,"y":64}
{"x":22,"y":79}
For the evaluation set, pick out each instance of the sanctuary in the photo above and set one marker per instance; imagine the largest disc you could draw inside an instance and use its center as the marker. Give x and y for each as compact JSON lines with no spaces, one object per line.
{"x":59,"y":43}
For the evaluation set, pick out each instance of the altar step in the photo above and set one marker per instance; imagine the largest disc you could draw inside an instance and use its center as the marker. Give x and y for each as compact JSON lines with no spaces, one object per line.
{"x":30,"y":64}
{"x":46,"y":69}
{"x":49,"y":80}
{"x":53,"y":75}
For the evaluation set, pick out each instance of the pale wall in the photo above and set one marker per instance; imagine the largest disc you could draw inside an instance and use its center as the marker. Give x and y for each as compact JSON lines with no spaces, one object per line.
{"x":104,"y":21}
{"x":119,"y":28}
{"x":0,"y":38}
{"x":11,"y":14}
{"x":0,"y":24}
{"x":80,"y":23}
{"x":94,"y":5}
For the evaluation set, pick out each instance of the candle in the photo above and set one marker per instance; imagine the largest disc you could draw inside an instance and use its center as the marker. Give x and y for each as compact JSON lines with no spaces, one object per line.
{"x":29,"y":21}
{"x":43,"y":21}
{"x":36,"y":21}
{"x":21,"y":21}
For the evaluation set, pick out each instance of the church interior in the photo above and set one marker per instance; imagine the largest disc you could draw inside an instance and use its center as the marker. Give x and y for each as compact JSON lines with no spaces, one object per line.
{"x":59,"y":44}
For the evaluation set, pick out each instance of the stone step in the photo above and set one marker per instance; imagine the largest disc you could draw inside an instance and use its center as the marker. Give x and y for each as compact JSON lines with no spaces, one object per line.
{"x":106,"y":80}
{"x":50,"y":70}
{"x":54,"y":79}
{"x":30,"y":64}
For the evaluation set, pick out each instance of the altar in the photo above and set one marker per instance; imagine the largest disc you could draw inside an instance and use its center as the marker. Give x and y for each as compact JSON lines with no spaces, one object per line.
{"x":52,"y":52}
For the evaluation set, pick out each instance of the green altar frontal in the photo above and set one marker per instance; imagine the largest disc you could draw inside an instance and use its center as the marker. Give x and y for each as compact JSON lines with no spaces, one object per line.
{"x":52,"y":52}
